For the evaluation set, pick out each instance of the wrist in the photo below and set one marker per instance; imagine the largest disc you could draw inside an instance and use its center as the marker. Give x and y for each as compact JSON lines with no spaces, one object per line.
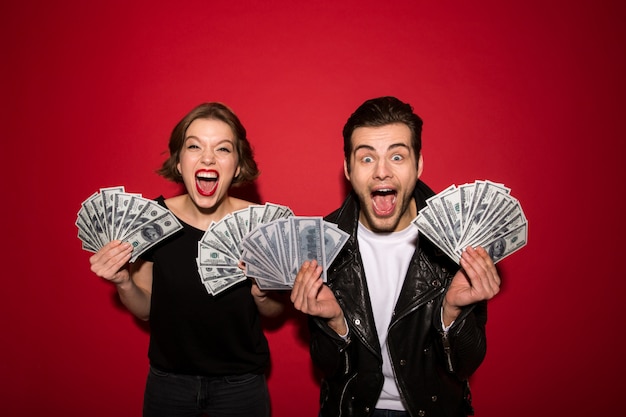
{"x":124,"y":284}
{"x":449,"y":313}
{"x":338,"y":324}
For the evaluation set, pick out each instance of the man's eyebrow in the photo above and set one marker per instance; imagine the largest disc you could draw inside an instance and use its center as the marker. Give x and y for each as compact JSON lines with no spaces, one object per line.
{"x":367,"y":147}
{"x":398,"y":145}
{"x":391,"y":147}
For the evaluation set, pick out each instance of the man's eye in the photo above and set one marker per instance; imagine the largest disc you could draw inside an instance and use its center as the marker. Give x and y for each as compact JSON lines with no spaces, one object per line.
{"x":397,"y":158}
{"x":367,"y":159}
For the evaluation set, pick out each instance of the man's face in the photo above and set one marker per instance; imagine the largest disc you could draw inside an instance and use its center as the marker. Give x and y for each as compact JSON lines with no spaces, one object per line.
{"x":383,"y":172}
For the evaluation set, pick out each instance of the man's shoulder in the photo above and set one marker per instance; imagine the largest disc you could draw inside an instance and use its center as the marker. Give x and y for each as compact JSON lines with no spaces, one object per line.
{"x":333,"y":216}
{"x":422,"y":192}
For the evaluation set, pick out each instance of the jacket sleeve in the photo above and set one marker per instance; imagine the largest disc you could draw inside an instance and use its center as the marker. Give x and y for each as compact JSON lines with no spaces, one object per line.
{"x":329,"y":351}
{"x":463,"y":346}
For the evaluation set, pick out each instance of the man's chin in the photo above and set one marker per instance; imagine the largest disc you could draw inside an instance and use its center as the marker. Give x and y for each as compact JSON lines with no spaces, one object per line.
{"x":382,"y":224}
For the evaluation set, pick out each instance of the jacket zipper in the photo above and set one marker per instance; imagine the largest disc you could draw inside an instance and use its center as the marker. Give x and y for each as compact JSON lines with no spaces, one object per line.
{"x":447,"y":350}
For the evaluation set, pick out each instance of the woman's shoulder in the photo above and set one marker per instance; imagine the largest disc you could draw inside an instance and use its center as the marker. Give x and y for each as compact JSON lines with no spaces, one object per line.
{"x":167,"y":201}
{"x":239,"y":204}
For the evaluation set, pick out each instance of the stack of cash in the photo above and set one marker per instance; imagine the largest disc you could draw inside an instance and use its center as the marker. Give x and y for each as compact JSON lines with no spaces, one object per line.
{"x":219,"y":250}
{"x":479,"y":214}
{"x":274,"y":252}
{"x":269,"y":242}
{"x":113,"y":214}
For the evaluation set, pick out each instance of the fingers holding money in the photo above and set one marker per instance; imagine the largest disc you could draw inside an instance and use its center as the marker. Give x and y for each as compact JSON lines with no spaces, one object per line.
{"x":481,"y":272}
{"x":311,"y":296}
{"x":477,"y":280}
{"x":108,"y":263}
{"x":306,"y":286}
{"x":305,"y":278}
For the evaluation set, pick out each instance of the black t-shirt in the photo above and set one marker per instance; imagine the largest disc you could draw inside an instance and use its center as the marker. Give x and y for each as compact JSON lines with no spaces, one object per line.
{"x":192,"y":331}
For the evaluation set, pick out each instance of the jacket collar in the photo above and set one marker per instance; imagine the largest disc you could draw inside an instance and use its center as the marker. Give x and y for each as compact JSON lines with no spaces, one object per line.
{"x":422,"y":283}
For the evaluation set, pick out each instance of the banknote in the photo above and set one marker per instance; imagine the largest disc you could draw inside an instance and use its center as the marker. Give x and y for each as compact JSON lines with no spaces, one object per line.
{"x":483,"y":213}
{"x":221,"y":248}
{"x":112,"y":213}
{"x":269,"y":242}
{"x":274,"y":253}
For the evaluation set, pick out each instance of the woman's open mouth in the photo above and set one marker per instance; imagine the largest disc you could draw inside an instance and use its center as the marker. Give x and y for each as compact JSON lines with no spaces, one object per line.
{"x":207,"y":181}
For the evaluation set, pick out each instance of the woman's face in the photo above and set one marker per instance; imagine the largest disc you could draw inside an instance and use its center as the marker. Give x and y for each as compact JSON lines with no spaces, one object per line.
{"x":208,"y":161}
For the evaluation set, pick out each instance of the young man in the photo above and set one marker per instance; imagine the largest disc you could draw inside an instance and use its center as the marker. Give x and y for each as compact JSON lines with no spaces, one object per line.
{"x":399,"y":327}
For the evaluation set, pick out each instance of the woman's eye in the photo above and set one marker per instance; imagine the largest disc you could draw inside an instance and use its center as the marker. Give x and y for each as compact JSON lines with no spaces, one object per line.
{"x":223,"y":149}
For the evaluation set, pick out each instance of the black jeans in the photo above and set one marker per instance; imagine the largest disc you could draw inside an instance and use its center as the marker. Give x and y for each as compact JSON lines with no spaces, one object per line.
{"x":174,"y":395}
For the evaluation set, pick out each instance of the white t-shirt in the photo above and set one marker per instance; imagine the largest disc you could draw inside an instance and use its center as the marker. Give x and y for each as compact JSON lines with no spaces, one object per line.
{"x":386,"y":258}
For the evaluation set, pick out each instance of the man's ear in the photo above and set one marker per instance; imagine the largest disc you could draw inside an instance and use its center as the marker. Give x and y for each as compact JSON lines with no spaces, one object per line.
{"x":346,"y":170}
{"x":420,"y":165}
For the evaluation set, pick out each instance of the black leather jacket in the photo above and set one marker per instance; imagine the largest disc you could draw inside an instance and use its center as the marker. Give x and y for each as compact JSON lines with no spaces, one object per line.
{"x":431,"y":368}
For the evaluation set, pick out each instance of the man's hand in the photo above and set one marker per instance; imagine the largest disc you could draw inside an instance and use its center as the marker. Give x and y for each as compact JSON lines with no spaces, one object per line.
{"x":477,"y":280}
{"x":310,"y":296}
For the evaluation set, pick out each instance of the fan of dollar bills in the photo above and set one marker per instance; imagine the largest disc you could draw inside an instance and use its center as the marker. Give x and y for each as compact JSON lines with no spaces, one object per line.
{"x":479,"y":214}
{"x":271,"y":242}
{"x":114,"y":214}
{"x":219,"y":250}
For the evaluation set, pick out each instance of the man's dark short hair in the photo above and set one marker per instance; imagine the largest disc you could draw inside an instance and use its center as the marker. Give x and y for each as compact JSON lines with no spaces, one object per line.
{"x":382,"y":111}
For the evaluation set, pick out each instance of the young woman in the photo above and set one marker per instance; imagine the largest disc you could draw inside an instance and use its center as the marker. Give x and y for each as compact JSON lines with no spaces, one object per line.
{"x":208,"y":354}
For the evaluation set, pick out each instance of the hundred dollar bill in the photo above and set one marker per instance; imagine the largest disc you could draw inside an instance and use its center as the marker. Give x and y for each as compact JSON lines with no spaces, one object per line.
{"x":256,"y":215}
{"x":135,"y":206}
{"x":108,"y":202}
{"x":242,"y":217}
{"x":269,"y":212}
{"x":152,"y":211}
{"x":309,"y":241}
{"x":211,"y":273}
{"x":88,"y":242}
{"x":486,"y":190}
{"x":208,"y":255}
{"x":428,"y":227}
{"x":451,"y":202}
{"x":222,"y":233}
{"x":270,"y":235}
{"x":86,"y":231}
{"x":233,"y":229}
{"x":489,"y":217}
{"x":146,"y":236}
{"x":210,"y":239}
{"x":466,"y":195}
{"x":259,"y":251}
{"x":97,"y":209}
{"x":120,"y":206}
{"x":219,"y":285}
{"x":439,"y":215}
{"x":284,"y":251}
{"x":510,"y":242}
{"x":266,"y":282}
{"x":334,"y":240}
{"x":513,"y":220}
{"x":502,"y":208}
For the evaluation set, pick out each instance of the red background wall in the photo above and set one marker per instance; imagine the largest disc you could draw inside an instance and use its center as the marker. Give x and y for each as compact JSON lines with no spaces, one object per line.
{"x":530,"y":94}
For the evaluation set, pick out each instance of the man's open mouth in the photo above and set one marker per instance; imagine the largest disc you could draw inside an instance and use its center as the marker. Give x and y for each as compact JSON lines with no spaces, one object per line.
{"x":384,"y":201}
